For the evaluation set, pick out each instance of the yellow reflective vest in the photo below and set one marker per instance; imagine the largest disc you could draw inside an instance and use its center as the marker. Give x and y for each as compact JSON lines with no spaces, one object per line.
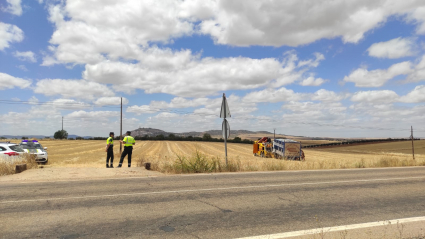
{"x":110,"y":141}
{"x":128,"y":141}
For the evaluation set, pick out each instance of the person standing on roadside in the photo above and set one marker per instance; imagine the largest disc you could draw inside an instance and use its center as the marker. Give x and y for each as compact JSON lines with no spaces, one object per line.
{"x":128,"y":142}
{"x":110,"y":150}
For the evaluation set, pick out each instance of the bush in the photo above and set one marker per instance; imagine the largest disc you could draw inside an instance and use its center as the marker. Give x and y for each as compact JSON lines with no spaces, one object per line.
{"x":206,"y":137}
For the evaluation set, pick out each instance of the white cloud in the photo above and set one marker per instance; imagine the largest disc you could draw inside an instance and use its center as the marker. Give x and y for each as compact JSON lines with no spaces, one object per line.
{"x":311,"y":81}
{"x":312,"y":62}
{"x":379,"y":96}
{"x":14,"y":7}
{"x":25,"y":56}
{"x":392,"y":49}
{"x":415,"y":96}
{"x":180,"y":102}
{"x":377,"y":78}
{"x":8,"y":34}
{"x":418,"y":73}
{"x":97,"y":115}
{"x":115,"y":29}
{"x":210,"y":107}
{"x":10,"y":82}
{"x":111,"y":101}
{"x":72,"y":88}
{"x":193,"y":77}
{"x":22,"y":67}
{"x":277,"y":23}
{"x":68,"y":104}
{"x":286,"y":95}
{"x":418,"y":16}
{"x":321,"y":112}
{"x":33,"y":100}
{"x":328,"y":96}
{"x":273,"y":95}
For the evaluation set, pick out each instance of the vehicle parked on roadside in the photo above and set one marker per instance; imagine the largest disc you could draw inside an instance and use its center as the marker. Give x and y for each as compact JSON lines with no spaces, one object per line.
{"x":35,"y":148}
{"x":8,"y":149}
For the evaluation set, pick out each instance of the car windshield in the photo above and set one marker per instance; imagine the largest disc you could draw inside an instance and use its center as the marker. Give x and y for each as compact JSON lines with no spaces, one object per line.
{"x":31,"y":145}
{"x":16,"y":148}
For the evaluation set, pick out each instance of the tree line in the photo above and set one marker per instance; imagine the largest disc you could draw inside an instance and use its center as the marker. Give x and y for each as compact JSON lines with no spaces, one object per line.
{"x":62,"y":134}
{"x":172,"y":137}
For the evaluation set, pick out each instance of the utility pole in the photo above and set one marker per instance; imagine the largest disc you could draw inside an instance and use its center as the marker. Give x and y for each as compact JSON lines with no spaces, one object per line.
{"x":224,"y":113}
{"x":274,"y":133}
{"x":62,"y":123}
{"x":413,"y":147}
{"x":121,"y":129}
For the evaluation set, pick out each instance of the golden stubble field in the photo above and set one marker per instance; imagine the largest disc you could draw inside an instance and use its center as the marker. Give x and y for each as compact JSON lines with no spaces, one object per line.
{"x":163,"y":154}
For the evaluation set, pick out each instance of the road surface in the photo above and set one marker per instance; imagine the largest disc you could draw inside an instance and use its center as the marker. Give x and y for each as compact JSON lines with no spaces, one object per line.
{"x":209,"y":206}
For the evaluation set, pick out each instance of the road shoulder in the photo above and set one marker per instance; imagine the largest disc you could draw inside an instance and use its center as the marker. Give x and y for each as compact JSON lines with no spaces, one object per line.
{"x":73,"y":173}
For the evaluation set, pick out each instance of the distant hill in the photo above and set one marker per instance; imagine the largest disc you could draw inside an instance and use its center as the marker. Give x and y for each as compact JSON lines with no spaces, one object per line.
{"x":27,"y":136}
{"x":214,"y":133}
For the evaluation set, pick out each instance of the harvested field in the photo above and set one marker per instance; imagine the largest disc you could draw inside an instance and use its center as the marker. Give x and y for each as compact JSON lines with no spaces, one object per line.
{"x":402,"y":147}
{"x":164,"y":156}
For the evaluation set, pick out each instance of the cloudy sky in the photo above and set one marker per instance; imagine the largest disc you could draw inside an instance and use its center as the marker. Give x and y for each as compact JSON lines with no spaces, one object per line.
{"x":337,"y":68}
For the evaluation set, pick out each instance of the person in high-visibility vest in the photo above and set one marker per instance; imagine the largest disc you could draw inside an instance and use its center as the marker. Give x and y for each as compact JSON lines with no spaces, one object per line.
{"x":128,"y":142}
{"x":110,"y":150}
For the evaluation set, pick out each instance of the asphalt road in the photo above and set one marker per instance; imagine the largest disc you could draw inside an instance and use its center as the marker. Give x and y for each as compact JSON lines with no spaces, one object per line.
{"x":209,"y":206}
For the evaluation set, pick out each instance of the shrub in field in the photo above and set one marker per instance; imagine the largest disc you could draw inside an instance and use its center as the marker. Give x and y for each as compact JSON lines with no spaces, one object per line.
{"x":198,"y":163}
{"x":360,"y":164}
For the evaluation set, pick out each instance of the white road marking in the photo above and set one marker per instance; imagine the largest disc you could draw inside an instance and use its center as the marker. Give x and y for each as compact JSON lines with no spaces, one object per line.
{"x":337,"y":228}
{"x":212,"y":189}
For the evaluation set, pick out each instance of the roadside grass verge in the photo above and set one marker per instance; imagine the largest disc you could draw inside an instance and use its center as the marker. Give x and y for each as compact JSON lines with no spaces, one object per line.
{"x":201,"y":163}
{"x":7,"y":166}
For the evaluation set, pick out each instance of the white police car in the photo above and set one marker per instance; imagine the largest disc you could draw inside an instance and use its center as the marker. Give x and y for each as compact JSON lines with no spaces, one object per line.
{"x":8,"y":149}
{"x":35,"y":148}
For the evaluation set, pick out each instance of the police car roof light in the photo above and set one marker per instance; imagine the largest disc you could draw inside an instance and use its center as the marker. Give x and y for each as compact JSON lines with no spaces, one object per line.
{"x":24,"y":140}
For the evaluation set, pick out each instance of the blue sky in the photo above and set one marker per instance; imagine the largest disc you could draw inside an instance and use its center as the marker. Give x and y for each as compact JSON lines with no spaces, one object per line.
{"x":345,"y":69}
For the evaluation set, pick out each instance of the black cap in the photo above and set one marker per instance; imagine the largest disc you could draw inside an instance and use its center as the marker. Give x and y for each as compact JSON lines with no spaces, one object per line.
{"x":111,"y":133}
{"x":128,"y":132}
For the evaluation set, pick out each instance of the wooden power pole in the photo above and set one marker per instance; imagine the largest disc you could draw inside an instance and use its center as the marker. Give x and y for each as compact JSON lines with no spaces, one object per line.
{"x":413,"y":147}
{"x":121,"y":129}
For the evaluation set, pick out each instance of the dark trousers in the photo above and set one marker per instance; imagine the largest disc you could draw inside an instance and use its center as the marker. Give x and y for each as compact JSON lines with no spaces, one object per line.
{"x":127,"y":151}
{"x":110,"y":155}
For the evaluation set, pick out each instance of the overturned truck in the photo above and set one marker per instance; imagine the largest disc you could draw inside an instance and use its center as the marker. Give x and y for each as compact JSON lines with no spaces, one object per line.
{"x":278,"y":148}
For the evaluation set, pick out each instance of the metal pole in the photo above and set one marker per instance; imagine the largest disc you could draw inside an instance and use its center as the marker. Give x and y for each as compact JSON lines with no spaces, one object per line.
{"x":225,"y":127}
{"x":121,"y":129}
{"x":62,"y":123}
{"x":274,"y":134}
{"x":413,"y":147}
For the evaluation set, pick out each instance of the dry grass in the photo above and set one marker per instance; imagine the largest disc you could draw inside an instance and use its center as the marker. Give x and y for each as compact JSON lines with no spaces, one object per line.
{"x":165,"y":156}
{"x":7,"y":168}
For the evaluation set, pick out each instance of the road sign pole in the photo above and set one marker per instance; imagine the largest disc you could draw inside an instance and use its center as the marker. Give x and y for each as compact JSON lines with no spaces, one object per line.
{"x":413,"y":147}
{"x":225,"y":128}
{"x":121,"y":129}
